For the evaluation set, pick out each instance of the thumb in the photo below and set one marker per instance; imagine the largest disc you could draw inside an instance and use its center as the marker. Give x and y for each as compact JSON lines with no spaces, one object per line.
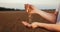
{"x":26,"y":7}
{"x":33,"y":26}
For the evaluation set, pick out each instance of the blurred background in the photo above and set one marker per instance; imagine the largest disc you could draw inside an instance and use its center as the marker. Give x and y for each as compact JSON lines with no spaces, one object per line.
{"x":12,"y":13}
{"x":18,"y":5}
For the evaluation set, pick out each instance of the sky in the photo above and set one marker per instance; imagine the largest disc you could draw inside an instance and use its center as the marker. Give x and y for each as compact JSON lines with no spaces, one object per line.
{"x":40,"y":4}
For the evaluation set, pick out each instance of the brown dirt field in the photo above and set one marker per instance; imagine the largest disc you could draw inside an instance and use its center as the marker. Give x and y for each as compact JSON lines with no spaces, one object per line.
{"x":10,"y":21}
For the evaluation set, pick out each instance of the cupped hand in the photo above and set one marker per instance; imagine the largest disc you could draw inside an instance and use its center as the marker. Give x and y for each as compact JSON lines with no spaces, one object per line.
{"x":26,"y":24}
{"x":32,"y":25}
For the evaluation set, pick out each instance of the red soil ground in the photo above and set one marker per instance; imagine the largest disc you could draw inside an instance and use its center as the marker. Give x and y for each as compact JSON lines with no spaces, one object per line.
{"x":10,"y":21}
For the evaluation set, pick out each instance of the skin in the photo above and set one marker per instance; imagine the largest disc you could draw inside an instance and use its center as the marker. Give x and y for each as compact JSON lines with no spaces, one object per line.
{"x":52,"y":27}
{"x":51,"y":17}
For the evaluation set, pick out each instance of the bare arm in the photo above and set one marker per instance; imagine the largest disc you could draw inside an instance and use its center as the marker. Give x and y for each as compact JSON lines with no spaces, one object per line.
{"x":49,"y":16}
{"x":52,"y":27}
{"x":55,"y":27}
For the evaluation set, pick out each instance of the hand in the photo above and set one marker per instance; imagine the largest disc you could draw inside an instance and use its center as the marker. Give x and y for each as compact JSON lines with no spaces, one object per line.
{"x":34,"y":25}
{"x":26,"y":23}
{"x":31,"y":9}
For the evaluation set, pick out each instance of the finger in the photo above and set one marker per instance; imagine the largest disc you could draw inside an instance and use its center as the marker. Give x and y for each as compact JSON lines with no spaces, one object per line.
{"x":25,"y":23}
{"x":27,"y":7}
{"x":32,"y":7}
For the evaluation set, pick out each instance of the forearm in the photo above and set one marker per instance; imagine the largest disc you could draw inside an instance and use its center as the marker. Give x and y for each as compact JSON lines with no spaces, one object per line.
{"x":55,"y":27}
{"x":48,"y":16}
